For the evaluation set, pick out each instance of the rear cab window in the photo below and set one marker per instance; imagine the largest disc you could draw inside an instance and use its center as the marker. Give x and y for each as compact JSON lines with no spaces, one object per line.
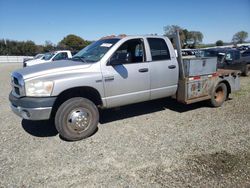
{"x":159,"y":49}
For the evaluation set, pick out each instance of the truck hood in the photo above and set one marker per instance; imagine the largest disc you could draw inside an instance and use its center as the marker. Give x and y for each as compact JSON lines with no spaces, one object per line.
{"x":51,"y":68}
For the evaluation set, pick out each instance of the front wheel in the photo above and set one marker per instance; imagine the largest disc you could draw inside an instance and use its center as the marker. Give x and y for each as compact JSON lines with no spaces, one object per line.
{"x":76,"y":119}
{"x":219,"y":95}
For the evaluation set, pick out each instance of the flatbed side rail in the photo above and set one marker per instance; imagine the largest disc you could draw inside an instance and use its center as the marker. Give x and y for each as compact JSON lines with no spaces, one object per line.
{"x":227,"y":72}
{"x":232,"y":77}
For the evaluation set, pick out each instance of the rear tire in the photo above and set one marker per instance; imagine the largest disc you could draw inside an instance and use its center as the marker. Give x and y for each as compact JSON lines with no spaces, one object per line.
{"x":219,"y":95}
{"x":76,"y":119}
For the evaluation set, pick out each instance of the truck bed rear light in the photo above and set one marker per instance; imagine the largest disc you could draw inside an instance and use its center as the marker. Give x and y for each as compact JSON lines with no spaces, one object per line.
{"x":215,"y":74}
{"x":195,"y":78}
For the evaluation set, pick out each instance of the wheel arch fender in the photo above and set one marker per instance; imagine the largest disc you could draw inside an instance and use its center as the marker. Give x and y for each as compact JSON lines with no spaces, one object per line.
{"x":229,"y":90}
{"x":85,"y":91}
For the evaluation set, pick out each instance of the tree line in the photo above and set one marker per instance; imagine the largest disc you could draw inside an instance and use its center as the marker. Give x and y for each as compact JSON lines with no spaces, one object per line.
{"x":193,"y":39}
{"x":29,"y":48}
{"x":189,"y":39}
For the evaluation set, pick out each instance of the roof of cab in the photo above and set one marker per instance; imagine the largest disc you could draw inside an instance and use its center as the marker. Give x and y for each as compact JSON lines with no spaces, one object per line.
{"x":132,"y":36}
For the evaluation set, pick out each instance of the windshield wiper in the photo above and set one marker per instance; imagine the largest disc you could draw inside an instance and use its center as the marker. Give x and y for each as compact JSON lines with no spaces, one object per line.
{"x":79,"y":58}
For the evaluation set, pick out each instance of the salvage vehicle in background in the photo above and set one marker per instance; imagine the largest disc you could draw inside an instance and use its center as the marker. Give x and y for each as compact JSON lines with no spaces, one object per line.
{"x":49,"y":57}
{"x":229,"y":58}
{"x":188,"y":52}
{"x":246,"y":53}
{"x":113,"y":72}
{"x":243,"y":48}
{"x":38,"y":56}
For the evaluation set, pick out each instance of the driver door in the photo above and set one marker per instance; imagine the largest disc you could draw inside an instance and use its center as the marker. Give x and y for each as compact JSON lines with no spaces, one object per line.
{"x":126,"y":77}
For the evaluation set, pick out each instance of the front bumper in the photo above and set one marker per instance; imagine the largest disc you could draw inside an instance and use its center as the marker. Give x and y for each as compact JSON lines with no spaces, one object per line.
{"x":32,"y":113}
{"x":32,"y":108}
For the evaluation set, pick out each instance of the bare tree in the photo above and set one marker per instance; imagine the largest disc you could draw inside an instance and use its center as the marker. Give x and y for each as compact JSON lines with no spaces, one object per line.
{"x":195,"y":37}
{"x":240,"y":37}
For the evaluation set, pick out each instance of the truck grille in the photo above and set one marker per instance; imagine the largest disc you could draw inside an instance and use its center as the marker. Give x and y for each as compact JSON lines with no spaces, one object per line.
{"x":15,"y":81}
{"x":17,"y":85}
{"x":17,"y":90}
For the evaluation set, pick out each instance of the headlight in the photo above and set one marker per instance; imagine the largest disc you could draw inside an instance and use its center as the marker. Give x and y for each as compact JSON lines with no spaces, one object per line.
{"x":39,"y":88}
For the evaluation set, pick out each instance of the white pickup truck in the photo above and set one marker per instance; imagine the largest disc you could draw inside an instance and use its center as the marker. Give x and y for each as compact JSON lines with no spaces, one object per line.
{"x":49,"y":57}
{"x":114,"y":72}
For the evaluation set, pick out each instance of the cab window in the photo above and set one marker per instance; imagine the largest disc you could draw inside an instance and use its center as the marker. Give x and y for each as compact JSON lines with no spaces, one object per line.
{"x":60,"y":56}
{"x":48,"y":56}
{"x":159,"y":49}
{"x":132,"y":51}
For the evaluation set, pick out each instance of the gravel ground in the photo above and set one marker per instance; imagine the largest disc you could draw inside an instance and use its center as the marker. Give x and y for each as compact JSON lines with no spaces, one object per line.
{"x":153,"y":144}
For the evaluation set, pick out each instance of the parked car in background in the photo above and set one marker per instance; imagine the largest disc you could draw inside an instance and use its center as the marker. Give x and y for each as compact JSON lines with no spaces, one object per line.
{"x":38,"y":56}
{"x":246,"y":53}
{"x":49,"y":57}
{"x":188,"y":52}
{"x":243,"y":48}
{"x":191,"y":52}
{"x":228,"y":58}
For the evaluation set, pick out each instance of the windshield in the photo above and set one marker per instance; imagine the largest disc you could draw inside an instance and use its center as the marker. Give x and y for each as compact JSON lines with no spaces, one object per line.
{"x":95,"y":51}
{"x":48,"y":56}
{"x":38,"y":56}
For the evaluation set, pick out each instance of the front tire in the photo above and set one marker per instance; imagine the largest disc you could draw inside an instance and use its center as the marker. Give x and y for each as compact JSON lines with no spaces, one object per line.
{"x":76,"y":119}
{"x":219,"y":95}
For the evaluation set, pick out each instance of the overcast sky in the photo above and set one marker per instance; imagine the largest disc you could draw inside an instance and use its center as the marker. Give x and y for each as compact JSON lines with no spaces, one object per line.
{"x":53,"y":19}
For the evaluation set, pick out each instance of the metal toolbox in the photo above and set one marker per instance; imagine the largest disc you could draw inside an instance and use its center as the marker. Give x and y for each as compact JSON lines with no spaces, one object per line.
{"x":199,"y":66}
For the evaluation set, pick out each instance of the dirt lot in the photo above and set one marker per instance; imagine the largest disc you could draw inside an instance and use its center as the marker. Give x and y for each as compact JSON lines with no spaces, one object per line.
{"x":154,"y":144}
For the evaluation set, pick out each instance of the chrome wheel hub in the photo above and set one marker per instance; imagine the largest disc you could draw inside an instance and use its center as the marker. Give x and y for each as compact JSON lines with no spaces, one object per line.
{"x":79,"y":119}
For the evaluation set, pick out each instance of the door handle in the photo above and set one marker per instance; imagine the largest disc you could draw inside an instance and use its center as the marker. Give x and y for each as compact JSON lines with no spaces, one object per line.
{"x":109,"y":78}
{"x":143,"y":70}
{"x":171,"y":66}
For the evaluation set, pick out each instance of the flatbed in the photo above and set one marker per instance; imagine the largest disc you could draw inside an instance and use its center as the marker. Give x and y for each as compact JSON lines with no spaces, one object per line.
{"x":199,"y":79}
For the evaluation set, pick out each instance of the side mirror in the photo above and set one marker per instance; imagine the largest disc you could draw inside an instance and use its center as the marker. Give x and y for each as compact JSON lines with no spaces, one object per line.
{"x":120,"y":58}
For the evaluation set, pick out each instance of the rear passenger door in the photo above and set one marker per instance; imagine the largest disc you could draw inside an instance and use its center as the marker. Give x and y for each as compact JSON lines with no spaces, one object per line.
{"x":163,"y":69}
